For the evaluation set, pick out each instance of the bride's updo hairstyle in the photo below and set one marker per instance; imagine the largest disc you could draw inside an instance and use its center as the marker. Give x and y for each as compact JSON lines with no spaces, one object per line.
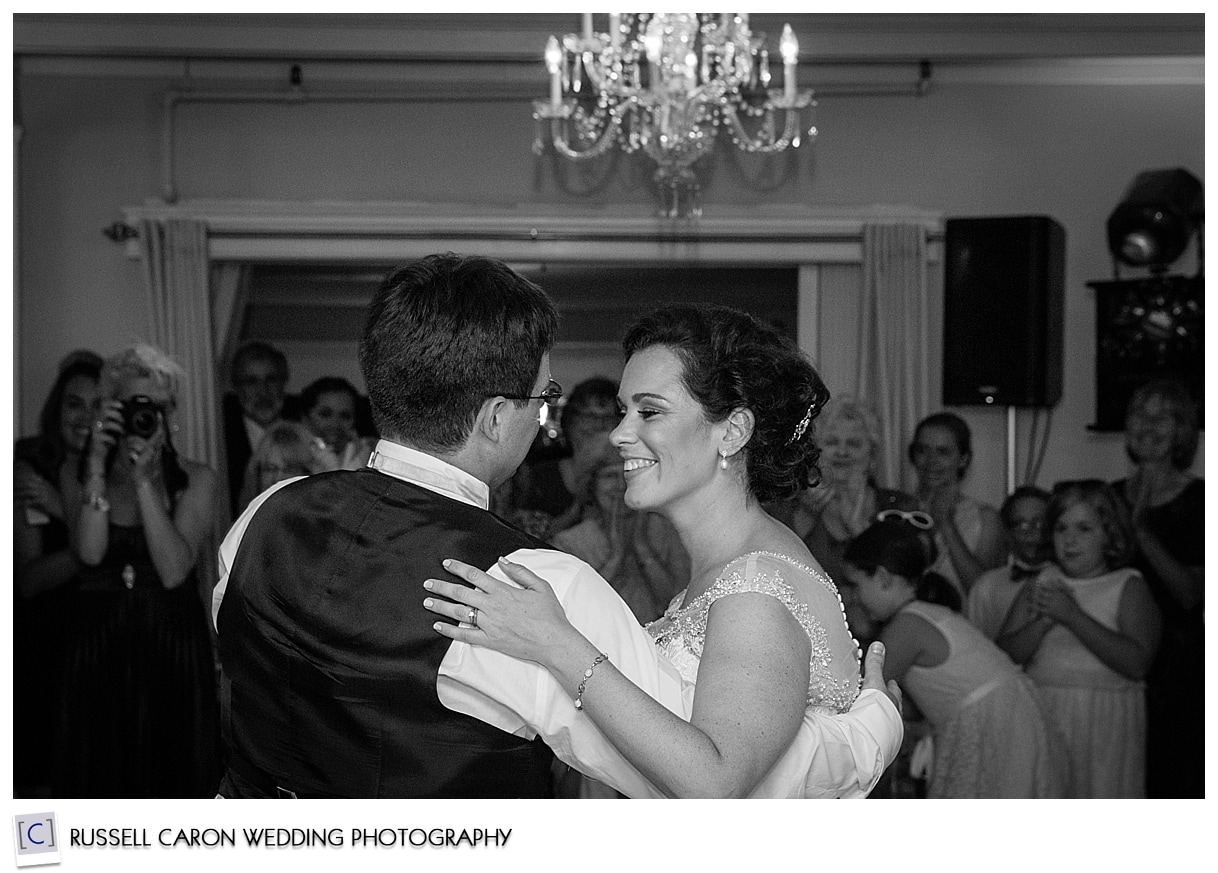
{"x":732,"y":361}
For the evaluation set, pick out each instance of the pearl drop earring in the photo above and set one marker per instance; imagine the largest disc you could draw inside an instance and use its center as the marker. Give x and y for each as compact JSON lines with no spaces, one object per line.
{"x":723,"y":459}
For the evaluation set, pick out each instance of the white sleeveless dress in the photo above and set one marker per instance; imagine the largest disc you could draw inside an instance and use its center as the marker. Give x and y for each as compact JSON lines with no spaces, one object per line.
{"x":1101,"y":713}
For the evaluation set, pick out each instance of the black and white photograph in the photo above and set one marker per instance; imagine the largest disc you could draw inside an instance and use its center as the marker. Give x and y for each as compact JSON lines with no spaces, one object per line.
{"x":532,"y":408}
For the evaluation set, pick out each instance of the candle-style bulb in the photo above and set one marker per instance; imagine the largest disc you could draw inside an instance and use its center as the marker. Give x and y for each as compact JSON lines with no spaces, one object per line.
{"x":789,"y":45}
{"x":553,"y":55}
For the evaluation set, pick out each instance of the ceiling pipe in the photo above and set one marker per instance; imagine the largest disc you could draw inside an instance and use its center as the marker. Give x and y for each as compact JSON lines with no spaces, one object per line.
{"x":297,"y":94}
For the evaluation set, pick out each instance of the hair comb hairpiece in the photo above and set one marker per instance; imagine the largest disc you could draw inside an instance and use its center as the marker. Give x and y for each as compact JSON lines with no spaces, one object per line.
{"x":803,"y":424}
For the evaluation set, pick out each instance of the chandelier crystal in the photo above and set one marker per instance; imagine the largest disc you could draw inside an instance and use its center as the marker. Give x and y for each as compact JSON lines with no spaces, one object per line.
{"x":667,"y":83}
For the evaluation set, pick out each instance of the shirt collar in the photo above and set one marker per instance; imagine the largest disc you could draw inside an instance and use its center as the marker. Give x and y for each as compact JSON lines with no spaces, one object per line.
{"x":428,"y":471}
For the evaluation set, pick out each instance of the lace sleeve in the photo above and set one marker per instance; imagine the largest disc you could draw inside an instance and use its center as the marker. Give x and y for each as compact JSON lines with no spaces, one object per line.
{"x":757,"y":574}
{"x":833,"y":681}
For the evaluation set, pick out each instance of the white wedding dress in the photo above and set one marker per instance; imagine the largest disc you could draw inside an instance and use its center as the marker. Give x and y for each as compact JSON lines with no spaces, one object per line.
{"x":810,"y":596}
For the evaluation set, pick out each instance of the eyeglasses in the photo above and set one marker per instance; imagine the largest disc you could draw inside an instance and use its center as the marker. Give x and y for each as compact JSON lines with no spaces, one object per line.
{"x":1025,"y":526}
{"x":917,"y":517}
{"x":551,"y":394}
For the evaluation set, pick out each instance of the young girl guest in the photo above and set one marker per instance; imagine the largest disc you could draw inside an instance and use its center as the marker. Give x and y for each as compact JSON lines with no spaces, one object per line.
{"x":1087,"y":630}
{"x":991,"y":735}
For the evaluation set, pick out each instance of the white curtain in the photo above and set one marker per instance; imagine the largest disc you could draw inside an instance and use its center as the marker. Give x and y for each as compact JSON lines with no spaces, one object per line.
{"x":894,"y":338}
{"x":180,"y":321}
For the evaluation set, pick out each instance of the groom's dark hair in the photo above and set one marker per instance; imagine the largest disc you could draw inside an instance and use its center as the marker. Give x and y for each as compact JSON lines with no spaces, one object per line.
{"x":445,"y":333}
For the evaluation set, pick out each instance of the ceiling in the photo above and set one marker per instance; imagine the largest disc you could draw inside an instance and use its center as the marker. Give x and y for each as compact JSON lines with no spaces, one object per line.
{"x":851,"y":38}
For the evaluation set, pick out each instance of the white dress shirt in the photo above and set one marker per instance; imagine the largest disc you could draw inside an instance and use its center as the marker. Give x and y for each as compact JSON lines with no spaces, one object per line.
{"x":832,"y":756}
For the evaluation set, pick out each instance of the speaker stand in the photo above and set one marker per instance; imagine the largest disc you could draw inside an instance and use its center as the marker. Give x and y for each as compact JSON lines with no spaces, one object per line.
{"x":1010,"y":449}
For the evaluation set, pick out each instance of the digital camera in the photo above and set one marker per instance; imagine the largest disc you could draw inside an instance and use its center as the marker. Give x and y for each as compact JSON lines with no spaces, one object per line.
{"x":141,"y":416}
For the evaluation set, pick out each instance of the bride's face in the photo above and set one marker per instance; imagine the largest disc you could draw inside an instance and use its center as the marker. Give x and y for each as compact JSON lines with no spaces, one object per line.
{"x":667,"y":447}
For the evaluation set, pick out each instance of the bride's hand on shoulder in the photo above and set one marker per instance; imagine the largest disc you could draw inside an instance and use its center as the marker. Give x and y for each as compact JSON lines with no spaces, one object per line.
{"x":526,"y":622}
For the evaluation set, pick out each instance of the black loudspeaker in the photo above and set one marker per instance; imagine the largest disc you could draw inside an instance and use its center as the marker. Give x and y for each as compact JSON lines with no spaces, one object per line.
{"x":1004,"y":286}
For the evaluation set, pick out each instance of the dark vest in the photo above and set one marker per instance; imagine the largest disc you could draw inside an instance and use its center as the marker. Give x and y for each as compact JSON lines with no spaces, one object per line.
{"x":330,"y":660}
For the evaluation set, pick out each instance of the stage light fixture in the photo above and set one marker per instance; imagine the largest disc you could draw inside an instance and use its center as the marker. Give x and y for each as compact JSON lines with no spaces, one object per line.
{"x":1153,"y":224}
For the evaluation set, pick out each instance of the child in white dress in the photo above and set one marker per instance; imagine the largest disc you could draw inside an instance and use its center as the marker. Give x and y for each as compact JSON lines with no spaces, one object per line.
{"x":1087,"y":630}
{"x":991,"y":735}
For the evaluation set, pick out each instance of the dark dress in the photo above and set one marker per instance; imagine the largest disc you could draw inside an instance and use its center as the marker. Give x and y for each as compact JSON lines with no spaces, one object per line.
{"x":1175,"y":686}
{"x":138,"y":716}
{"x":38,"y":635}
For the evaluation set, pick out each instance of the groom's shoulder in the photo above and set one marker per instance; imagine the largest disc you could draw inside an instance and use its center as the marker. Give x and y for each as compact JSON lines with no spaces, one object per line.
{"x":568,"y":575}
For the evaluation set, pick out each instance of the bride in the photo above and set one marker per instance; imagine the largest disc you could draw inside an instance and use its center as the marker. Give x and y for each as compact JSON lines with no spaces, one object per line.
{"x":718,"y":413}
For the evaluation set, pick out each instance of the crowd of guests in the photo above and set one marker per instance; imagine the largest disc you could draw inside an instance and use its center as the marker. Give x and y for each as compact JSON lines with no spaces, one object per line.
{"x":1049,"y":647}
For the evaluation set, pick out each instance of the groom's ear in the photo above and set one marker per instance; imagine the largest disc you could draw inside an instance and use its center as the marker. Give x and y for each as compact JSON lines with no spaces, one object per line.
{"x":739,"y":430}
{"x":489,"y":422}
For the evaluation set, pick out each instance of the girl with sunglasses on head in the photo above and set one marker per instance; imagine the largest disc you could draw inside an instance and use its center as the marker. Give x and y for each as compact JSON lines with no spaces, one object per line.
{"x":1087,"y":630}
{"x":990,"y":735}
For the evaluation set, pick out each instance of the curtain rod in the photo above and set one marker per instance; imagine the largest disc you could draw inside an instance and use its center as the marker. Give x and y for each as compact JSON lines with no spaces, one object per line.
{"x":121,"y":232}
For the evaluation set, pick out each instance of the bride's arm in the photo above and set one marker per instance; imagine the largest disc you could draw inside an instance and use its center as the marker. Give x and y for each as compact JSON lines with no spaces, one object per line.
{"x":752,"y":681}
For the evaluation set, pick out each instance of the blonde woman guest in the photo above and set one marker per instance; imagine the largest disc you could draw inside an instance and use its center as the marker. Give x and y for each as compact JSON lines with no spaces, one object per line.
{"x":1167,"y":507}
{"x":139,"y":707}
{"x":848,"y":498}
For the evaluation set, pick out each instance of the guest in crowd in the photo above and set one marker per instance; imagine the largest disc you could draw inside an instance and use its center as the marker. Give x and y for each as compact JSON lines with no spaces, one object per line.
{"x":1087,"y":630}
{"x":138,"y":711}
{"x":968,"y":532}
{"x":328,"y":408}
{"x":847,"y":498}
{"x":288,"y":449}
{"x":559,"y":486}
{"x":1023,"y":517}
{"x":1167,"y":505}
{"x":991,"y":737}
{"x":258,"y":400}
{"x":638,"y":553}
{"x":42,"y":559}
{"x":44,"y":564}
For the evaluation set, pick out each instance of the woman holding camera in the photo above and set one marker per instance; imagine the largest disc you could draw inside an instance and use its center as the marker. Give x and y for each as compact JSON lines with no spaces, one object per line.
{"x":139,"y":709}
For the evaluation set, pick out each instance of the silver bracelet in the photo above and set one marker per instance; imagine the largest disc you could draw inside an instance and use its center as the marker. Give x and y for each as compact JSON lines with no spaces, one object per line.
{"x":579,"y":693}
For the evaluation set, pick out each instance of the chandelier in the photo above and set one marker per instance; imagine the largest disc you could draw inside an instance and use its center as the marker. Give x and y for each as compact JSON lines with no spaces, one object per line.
{"x":666,"y":83}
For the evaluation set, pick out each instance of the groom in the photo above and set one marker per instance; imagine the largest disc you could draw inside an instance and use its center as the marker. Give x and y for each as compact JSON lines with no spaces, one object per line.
{"x":334,"y":682}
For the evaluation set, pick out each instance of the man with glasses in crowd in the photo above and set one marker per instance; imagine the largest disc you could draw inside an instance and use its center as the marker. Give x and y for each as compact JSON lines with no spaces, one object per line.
{"x":335,"y":683}
{"x":258,"y":400}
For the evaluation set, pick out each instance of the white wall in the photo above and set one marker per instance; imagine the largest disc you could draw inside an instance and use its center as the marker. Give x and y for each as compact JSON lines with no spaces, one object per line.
{"x":91,"y":147}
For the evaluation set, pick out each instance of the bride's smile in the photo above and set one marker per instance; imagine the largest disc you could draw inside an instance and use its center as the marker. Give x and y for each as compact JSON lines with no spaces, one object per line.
{"x":666,"y":444}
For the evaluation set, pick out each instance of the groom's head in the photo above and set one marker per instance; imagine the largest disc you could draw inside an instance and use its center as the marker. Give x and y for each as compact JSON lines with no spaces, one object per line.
{"x":445,"y":335}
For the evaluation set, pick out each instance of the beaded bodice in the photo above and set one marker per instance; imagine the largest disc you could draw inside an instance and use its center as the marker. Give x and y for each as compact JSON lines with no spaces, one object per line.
{"x":833,"y":680}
